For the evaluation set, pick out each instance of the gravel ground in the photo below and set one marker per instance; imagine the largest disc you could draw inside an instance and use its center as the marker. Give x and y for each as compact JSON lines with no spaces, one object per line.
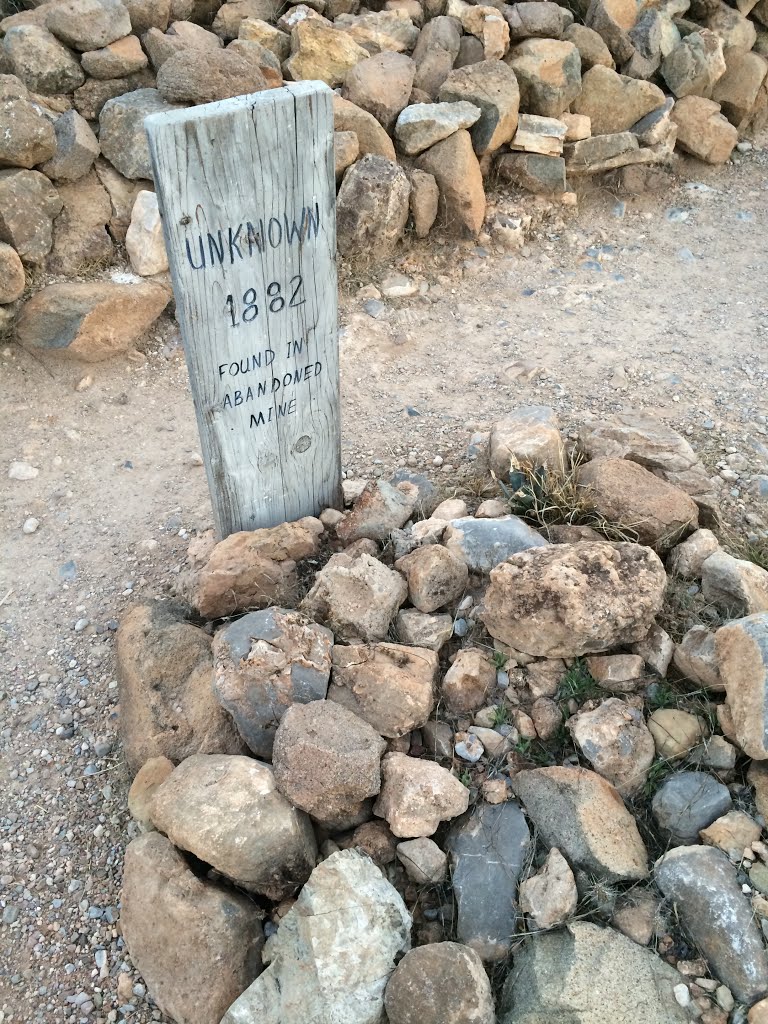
{"x":658,"y":303}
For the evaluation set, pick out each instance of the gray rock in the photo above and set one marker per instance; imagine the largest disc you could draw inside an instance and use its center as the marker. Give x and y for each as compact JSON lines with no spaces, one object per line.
{"x":693,"y":67}
{"x":421,"y":125}
{"x":372,"y":206}
{"x":488,"y":850}
{"x":687,"y":802}
{"x":735,"y":585}
{"x":440,"y":983}
{"x":41,"y":62}
{"x":717,"y":916}
{"x":530,"y":19}
{"x":584,"y":974}
{"x":76,"y":148}
{"x":28,"y":138}
{"x":435,"y":52}
{"x":549,"y":74}
{"x":263,"y":663}
{"x":121,"y":130}
{"x":492,"y":86}
{"x":28,"y":205}
{"x":484,"y":543}
{"x":89,"y":24}
{"x":334,"y":950}
{"x":542,"y":175}
{"x":91,"y":97}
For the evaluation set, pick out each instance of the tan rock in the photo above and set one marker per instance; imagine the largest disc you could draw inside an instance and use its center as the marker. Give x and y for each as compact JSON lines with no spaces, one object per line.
{"x":227,"y":811}
{"x":253,"y":569}
{"x":547,"y":717}
{"x":741,"y":647}
{"x":439,"y":983}
{"x":423,"y":201}
{"x":550,"y":897}
{"x":122,"y":196}
{"x":80,"y":237}
{"x":544,"y":677}
{"x":380,"y":30}
{"x":620,"y":673}
{"x":389,"y":686}
{"x":435,"y":53}
{"x":738,"y":89}
{"x":420,"y":630}
{"x":686,"y":559}
{"x":372,"y":206}
{"x":346,"y":150}
{"x":612,"y":595}
{"x":115,"y":60}
{"x":456,"y":170}
{"x":13,"y":280}
{"x":492,"y":86}
{"x":436,"y":577}
{"x":732,"y":27}
{"x":356,"y":597}
{"x":757,"y":776}
{"x":381,"y":85}
{"x":694,"y":65}
{"x":674,"y":732}
{"x":374,"y":839}
{"x":28,"y":205}
{"x":758,"y":1014}
{"x":642,"y":438}
{"x":614,"y":102}
{"x":468,"y":681}
{"x":695,"y":658}
{"x":636,"y":916}
{"x":417,"y":795}
{"x":151,"y":774}
{"x":656,"y":649}
{"x":144,"y":238}
{"x":380,"y":509}
{"x":165,"y":671}
{"x":612,"y":19}
{"x":176,"y":925}
{"x":733,"y":833}
{"x":423,"y":860}
{"x":584,"y":817}
{"x":735,"y":585}
{"x":491,"y":508}
{"x":627,"y":494}
{"x":549,"y":74}
{"x":578,"y":126}
{"x":451,"y":508}
{"x":326,"y":762}
{"x":529,"y":437}
{"x":616,"y":741}
{"x":320,"y":51}
{"x":591,"y":46}
{"x":702,"y":130}
{"x":268,"y":35}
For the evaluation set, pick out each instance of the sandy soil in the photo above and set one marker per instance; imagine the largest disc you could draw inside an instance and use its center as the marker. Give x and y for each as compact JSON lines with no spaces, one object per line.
{"x":659,"y":304}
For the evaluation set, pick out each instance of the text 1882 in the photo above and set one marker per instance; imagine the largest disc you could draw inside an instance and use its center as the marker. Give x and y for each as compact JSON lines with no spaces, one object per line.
{"x":275,"y":301}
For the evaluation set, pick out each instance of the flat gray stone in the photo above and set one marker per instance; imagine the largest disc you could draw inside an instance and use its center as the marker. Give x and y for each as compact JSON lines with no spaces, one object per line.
{"x":121,"y":130}
{"x":484,"y":543}
{"x":717,"y":916}
{"x":687,"y":802}
{"x":487,"y":851}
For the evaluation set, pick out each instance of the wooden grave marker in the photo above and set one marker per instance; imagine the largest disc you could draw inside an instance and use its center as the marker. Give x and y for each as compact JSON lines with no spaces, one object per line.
{"x":248,"y":203}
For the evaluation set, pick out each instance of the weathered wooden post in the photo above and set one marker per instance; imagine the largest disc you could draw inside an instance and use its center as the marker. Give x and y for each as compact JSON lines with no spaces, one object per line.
{"x":246,"y":191}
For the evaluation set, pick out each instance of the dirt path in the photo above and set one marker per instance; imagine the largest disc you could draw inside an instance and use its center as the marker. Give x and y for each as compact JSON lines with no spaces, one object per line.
{"x":663,"y":307}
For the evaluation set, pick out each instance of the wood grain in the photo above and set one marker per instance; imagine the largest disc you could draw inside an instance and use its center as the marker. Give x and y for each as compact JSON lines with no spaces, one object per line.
{"x":246,"y":193}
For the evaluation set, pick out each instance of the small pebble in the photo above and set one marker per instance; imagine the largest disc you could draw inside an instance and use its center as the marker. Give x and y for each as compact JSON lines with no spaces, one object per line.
{"x":30,"y":525}
{"x":22,"y":471}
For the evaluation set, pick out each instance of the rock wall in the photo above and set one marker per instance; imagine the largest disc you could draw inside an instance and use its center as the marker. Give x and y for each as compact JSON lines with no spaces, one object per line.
{"x":433,"y":98}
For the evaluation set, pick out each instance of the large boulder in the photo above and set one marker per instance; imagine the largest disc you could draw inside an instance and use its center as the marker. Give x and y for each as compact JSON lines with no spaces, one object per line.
{"x":164,"y":671}
{"x":320,"y":51}
{"x":490,"y":85}
{"x":327,"y":762}
{"x":121,"y":130}
{"x":488,"y":850}
{"x":741,"y":649}
{"x":252,"y":568}
{"x":265,"y":662}
{"x":416,"y":795}
{"x":30,"y":138}
{"x":627,"y":494}
{"x":441,"y":983}
{"x":549,"y":74}
{"x":566,"y":600}
{"x":88,"y":24}
{"x":176,"y":926}
{"x":702,"y":130}
{"x":334,"y":951}
{"x":28,"y":206}
{"x":390,"y":686}
{"x":456,"y":170}
{"x":90,"y":320}
{"x":584,"y":974}
{"x":372,"y":206}
{"x":614,"y":102}
{"x":717,"y":915}
{"x":585,"y":818}
{"x":356,"y":597}
{"x":381,"y":85}
{"x":40,"y":60}
{"x":228,"y":812}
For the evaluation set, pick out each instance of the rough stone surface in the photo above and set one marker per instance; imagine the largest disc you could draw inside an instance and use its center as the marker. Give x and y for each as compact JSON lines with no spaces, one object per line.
{"x":468,"y":681}
{"x":528,"y":437}
{"x":372,"y":205}
{"x":76,"y":148}
{"x":695,"y":658}
{"x":80,"y":237}
{"x":687,"y":802}
{"x":176,"y":926}
{"x":656,"y":649}
{"x":184,"y":78}
{"x":381,"y":85}
{"x":121,"y":130}
{"x":380,"y":509}
{"x":457,"y":172}
{"x":613,"y":594}
{"x":702,"y":130}
{"x":28,"y":137}
{"x":421,"y":125}
{"x":436,"y":577}
{"x":717,"y":916}
{"x":265,"y":662}
{"x":614,"y":20}
{"x":614,"y":102}
{"x":419,"y":630}
{"x":615,"y":740}
{"x":144,"y":237}
{"x":434,"y":54}
{"x":549,"y":75}
{"x":675,"y":732}
{"x":141,"y":794}
{"x":733,"y":833}
{"x":424,"y":201}
{"x":334,"y":951}
{"x":41,"y":62}
{"x":741,"y":649}
{"x":584,"y":974}
{"x":619,"y":673}
{"x":390,"y":686}
{"x":356,"y":597}
{"x":485,"y":543}
{"x":320,"y":51}
{"x":89,"y":24}
{"x":695,"y":64}
{"x":371,"y":136}
{"x":735,"y":585}
{"x":417,"y":795}
{"x":491,"y":86}
{"x":441,"y":983}
{"x":584,"y":817}
{"x":738,"y":90}
{"x":28,"y":205}
{"x":542,"y":175}
{"x":423,"y":860}
{"x":12,"y":278}
{"x":115,"y":60}
{"x":252,"y":568}
{"x":550,"y":897}
{"x":488,"y":850}
{"x":686,"y":559}
{"x":591,"y":46}
{"x":164,"y":671}
{"x":227,"y":811}
{"x":641,"y":438}
{"x":327,"y":762}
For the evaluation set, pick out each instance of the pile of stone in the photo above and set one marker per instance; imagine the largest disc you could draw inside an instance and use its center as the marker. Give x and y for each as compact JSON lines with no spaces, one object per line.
{"x":434,"y":97}
{"x":365,"y":791}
